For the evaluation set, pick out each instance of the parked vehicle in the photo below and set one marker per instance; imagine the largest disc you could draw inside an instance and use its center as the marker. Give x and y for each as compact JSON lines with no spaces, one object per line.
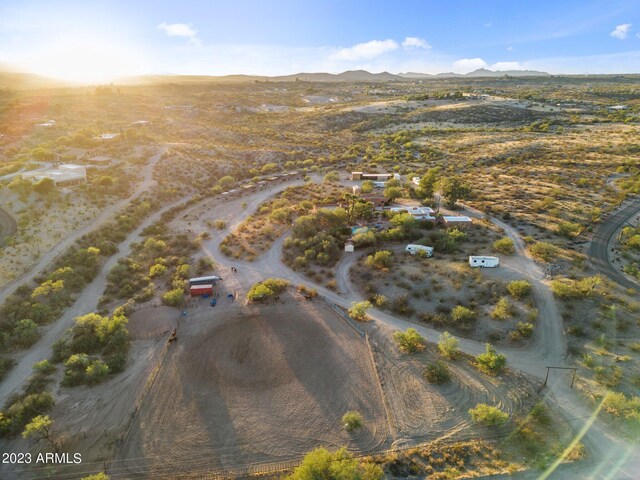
{"x":413,"y":249}
{"x":483,"y":261}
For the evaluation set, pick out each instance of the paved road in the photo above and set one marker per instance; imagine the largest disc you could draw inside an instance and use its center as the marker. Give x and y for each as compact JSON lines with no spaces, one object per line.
{"x":47,"y":258}
{"x":8,"y":226}
{"x":600,"y":245}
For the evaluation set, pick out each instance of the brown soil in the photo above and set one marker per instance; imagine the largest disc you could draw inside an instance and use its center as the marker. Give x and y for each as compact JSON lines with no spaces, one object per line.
{"x":251,"y":385}
{"x":152,"y":321}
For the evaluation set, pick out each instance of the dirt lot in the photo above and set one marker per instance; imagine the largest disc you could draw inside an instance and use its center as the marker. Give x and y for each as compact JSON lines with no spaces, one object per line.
{"x":250,"y":385}
{"x":420,"y":411}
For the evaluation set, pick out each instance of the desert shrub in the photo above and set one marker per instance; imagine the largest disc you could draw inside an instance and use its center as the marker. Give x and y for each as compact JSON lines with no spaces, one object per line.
{"x":410,"y":341}
{"x":504,"y":245}
{"x":307,"y":291}
{"x":352,"y":420}
{"x":485,"y":414}
{"x":331,"y":177}
{"x":463,"y":315}
{"x":523,"y":330}
{"x":543,"y":251}
{"x":519,"y":288}
{"x":6,"y":364}
{"x":503,"y":309}
{"x":448,"y":346}
{"x":568,"y":288}
{"x":25,"y":333}
{"x":437,"y":373}
{"x":22,"y":410}
{"x":380,"y":260}
{"x":568,"y":229}
{"x":174,"y":297}
{"x":322,"y":464}
{"x":269,"y":288}
{"x":358,"y":310}
{"x":44,"y":367}
{"x":491,"y":362}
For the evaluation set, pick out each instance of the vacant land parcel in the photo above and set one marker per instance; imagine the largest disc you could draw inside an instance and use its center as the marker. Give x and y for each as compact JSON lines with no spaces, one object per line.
{"x":246,"y":386}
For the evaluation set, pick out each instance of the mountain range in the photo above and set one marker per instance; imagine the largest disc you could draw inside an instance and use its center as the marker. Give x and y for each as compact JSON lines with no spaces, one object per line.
{"x":19,"y":80}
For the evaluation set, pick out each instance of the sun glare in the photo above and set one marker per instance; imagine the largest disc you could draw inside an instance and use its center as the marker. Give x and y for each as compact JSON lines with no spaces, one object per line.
{"x":84,"y":63}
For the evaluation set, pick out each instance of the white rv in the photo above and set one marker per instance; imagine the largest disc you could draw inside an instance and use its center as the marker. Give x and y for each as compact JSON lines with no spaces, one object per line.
{"x":483,"y":261}
{"x":413,"y":249}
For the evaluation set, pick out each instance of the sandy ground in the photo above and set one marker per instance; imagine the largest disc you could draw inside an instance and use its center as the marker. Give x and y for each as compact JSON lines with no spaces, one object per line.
{"x":423,"y":412}
{"x":246,"y":385}
{"x":44,"y":260}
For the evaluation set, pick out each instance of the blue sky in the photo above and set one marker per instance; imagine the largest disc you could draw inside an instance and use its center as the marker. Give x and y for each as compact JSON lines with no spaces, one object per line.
{"x":104,"y":38}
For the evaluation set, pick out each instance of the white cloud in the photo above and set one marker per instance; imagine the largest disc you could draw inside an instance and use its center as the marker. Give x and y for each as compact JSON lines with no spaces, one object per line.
{"x":465,"y":65}
{"x":488,"y":25}
{"x":510,"y":49}
{"x":500,"y":66}
{"x":621,"y":31}
{"x":415,"y":42}
{"x":180,"y":30}
{"x":366,"y":50}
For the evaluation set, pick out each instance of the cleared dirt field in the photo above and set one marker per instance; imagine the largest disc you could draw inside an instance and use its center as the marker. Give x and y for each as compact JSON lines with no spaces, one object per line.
{"x":253,"y":385}
{"x":421,"y":412}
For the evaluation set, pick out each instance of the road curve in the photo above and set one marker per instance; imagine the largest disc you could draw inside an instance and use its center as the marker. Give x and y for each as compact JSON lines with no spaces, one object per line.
{"x":8,"y":226}
{"x":599,"y":249}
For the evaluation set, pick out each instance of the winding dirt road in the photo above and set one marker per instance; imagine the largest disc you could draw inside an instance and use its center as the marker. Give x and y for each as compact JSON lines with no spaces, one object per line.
{"x":47,"y":258}
{"x":603,"y":239}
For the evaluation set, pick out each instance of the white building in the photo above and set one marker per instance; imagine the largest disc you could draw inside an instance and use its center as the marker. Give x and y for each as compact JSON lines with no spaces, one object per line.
{"x":419,"y":213}
{"x":65,"y":175}
{"x":458,"y":221}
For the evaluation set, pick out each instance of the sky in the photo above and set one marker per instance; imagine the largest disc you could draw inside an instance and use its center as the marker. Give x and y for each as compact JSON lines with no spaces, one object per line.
{"x":89,"y":40}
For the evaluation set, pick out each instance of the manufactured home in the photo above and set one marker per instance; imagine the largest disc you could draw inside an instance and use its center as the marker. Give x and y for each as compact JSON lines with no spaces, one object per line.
{"x":210,"y":280}
{"x":413,"y":249}
{"x":483,"y":261}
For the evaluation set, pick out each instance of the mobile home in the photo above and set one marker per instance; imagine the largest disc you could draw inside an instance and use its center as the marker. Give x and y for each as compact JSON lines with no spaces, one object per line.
{"x":210,"y":280}
{"x":413,"y":249}
{"x":483,"y":261}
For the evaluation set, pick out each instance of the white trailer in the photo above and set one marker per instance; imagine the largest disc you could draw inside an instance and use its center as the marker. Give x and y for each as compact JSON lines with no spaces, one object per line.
{"x":483,"y":261}
{"x":413,"y":249}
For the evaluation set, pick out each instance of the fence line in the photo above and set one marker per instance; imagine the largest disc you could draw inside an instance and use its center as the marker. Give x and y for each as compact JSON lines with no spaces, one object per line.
{"x":153,"y":374}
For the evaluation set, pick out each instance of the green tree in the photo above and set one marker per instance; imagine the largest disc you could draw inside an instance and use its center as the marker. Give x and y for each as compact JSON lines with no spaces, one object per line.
{"x":488,"y":415}
{"x":491,"y":362}
{"x":358,"y":310}
{"x":448,"y":346}
{"x":25,"y":333}
{"x":367,"y":186}
{"x":437,"y":373}
{"x":41,"y":428}
{"x":352,"y":421}
{"x":453,"y":189}
{"x":106,"y":181}
{"x":393,"y":193}
{"x":331,"y":177}
{"x":410,"y":341}
{"x":380,"y":260}
{"x":427,"y":183}
{"x":320,"y":464}
{"x":174,"y":298}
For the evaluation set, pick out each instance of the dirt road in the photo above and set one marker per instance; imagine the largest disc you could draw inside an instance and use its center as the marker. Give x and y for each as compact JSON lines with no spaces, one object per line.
{"x":602,"y":241}
{"x":46,"y":259}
